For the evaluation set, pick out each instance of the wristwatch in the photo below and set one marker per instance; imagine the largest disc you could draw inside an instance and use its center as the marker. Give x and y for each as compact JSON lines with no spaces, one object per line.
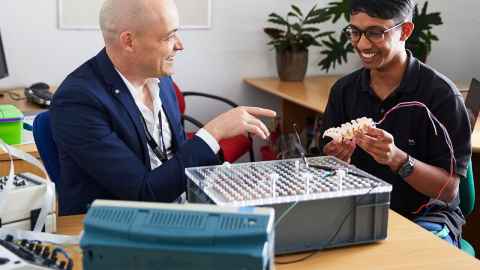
{"x":407,"y":168}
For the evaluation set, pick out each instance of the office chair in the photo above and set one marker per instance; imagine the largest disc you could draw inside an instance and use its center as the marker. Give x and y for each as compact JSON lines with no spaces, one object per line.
{"x":467,"y":203}
{"x":42,"y":134}
{"x":233,"y":148}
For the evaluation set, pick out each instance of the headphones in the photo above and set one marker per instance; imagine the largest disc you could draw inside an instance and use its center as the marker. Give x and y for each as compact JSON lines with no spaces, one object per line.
{"x":39,"y":93}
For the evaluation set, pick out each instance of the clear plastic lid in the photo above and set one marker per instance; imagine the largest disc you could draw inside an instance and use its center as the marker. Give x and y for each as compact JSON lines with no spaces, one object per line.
{"x":272,"y":182}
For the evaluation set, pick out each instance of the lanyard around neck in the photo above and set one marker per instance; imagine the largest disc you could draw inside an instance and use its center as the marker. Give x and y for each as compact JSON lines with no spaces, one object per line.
{"x":160,"y":152}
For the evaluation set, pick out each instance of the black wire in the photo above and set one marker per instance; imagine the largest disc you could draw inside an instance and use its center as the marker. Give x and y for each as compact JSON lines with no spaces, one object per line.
{"x":334,"y":235}
{"x":302,"y":149}
{"x":332,"y":169}
{"x":15,"y":96}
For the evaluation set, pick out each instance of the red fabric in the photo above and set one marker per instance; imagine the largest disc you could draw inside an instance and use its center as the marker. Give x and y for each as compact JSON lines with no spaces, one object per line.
{"x":180,"y":98}
{"x":267,"y":153}
{"x":233,"y":148}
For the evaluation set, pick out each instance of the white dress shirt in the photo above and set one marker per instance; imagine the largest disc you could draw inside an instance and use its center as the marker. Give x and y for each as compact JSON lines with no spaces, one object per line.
{"x":152,"y":121}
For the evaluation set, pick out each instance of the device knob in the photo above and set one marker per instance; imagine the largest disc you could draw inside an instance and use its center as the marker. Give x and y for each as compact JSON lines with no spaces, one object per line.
{"x":38,"y":249}
{"x":3,"y":260}
{"x":46,"y":252}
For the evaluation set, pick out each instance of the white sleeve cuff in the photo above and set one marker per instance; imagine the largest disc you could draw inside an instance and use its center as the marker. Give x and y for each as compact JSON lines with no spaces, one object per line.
{"x":209,"y":139}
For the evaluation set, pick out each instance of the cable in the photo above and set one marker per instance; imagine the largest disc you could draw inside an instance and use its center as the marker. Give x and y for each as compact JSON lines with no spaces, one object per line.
{"x":15,"y":96}
{"x":285,"y":213}
{"x":448,"y":141}
{"x":301,"y":148}
{"x":334,"y":235}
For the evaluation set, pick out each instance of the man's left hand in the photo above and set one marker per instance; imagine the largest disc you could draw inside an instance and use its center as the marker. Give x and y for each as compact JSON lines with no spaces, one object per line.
{"x":381,"y":146}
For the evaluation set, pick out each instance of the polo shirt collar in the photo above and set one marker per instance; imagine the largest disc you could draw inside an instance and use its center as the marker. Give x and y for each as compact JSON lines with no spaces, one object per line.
{"x":409,"y":80}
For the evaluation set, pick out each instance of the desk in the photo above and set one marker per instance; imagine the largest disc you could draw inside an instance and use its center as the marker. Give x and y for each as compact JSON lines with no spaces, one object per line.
{"x":408,"y":247}
{"x":310,"y":97}
{"x":20,"y":165}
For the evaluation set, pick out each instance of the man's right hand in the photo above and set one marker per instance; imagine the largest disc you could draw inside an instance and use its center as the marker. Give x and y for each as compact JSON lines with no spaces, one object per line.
{"x":241,"y":120}
{"x":342,"y":150}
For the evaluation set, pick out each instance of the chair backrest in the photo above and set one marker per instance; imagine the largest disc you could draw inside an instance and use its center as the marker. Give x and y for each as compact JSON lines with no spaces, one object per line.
{"x":42,"y":133}
{"x":232,"y":148}
{"x":467,"y":191}
{"x":472,"y":102}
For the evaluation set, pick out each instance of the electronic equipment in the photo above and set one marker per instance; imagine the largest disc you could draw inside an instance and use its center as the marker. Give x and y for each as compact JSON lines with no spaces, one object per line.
{"x":24,"y":202}
{"x":328,"y":203}
{"x":26,"y":254}
{"x":3,"y":61}
{"x":136,"y":235}
{"x":39,"y":93}
{"x":472,"y":102}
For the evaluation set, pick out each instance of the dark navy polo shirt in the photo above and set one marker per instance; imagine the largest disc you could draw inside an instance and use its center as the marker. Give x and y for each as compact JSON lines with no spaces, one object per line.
{"x":352,"y":97}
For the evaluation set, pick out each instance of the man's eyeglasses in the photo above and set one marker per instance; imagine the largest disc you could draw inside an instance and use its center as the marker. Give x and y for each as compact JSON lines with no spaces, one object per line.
{"x":373,"y":35}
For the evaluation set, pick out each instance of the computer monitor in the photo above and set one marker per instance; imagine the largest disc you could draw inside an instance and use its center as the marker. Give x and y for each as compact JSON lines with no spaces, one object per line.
{"x":472,"y":102}
{"x":3,"y":61}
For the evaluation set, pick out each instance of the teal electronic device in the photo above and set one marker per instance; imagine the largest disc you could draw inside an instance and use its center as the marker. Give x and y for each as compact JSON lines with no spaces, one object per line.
{"x":138,"y":235}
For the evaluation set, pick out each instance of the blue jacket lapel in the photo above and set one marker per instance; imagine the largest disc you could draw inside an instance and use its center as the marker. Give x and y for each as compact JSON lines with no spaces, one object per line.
{"x":169,"y":108}
{"x":120,"y":91}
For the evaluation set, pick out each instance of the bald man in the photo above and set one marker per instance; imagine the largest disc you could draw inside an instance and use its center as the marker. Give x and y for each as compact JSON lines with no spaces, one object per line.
{"x":116,"y":121}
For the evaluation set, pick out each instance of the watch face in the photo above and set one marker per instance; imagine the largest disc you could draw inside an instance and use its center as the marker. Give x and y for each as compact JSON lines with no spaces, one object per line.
{"x":407,"y":168}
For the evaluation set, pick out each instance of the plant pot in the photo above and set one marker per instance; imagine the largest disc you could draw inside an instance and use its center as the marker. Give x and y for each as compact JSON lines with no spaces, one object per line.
{"x":292,"y":65}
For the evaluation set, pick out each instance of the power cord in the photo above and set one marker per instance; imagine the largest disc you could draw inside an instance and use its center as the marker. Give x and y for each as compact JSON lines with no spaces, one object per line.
{"x":12,"y":94}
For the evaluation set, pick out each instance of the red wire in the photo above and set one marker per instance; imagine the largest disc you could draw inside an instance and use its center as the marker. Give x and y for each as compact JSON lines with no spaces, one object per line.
{"x":448,"y":141}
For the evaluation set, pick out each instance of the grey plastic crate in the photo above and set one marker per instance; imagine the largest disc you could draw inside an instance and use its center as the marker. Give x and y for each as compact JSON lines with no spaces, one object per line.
{"x":310,"y":204}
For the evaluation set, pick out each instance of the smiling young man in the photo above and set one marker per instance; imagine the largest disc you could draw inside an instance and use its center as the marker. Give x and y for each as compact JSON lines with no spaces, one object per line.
{"x":404,"y":149}
{"x":116,"y":120}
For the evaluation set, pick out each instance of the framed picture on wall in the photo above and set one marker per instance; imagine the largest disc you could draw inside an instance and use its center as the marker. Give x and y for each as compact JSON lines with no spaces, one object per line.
{"x":83,"y":14}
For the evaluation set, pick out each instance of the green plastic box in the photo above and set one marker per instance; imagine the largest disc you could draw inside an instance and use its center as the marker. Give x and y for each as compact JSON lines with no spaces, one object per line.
{"x":11,"y":124}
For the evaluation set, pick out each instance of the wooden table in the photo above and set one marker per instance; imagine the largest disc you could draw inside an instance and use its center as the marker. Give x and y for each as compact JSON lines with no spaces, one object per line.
{"x":310,"y":97}
{"x":408,"y":247}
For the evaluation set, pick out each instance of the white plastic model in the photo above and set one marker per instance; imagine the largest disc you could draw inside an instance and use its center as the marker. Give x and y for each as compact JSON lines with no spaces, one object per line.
{"x":347,"y":130}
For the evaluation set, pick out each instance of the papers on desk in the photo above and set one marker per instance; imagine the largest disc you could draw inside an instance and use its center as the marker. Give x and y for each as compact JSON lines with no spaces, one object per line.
{"x":27,"y":136}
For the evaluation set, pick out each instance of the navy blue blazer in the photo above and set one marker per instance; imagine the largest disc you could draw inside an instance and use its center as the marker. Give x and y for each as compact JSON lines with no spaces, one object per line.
{"x":102,"y":144}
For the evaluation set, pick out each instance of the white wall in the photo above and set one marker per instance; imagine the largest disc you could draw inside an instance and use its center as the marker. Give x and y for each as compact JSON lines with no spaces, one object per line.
{"x":217,"y":59}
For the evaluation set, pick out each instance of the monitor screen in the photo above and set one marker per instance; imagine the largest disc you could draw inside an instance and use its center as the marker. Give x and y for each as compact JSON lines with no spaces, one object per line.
{"x":472,"y":102}
{"x":3,"y":61}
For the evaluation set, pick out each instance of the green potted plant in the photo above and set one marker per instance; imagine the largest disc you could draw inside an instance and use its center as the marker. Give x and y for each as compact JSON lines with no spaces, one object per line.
{"x":297,"y":32}
{"x":420,"y":42}
{"x":337,"y":49}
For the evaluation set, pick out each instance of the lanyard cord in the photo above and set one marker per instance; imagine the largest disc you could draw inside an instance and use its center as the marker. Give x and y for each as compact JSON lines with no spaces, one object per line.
{"x":160,"y":152}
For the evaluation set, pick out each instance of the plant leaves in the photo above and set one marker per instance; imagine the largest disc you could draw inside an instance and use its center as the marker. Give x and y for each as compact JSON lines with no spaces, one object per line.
{"x":297,"y":10}
{"x":310,"y":29}
{"x":323,"y":34}
{"x":339,"y":9}
{"x":277,"y":21}
{"x":277,"y":18}
{"x":420,"y":42}
{"x":336,"y":52}
{"x":274,"y":33}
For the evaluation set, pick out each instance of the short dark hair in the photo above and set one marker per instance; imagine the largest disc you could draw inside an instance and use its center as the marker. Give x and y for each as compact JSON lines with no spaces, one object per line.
{"x":397,"y":10}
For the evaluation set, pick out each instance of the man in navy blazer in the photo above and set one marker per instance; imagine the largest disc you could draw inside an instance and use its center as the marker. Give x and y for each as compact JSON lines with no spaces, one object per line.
{"x":100,"y":114}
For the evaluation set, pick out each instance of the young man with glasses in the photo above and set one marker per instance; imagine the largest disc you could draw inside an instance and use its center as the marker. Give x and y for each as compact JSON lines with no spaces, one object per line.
{"x":404,"y":149}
